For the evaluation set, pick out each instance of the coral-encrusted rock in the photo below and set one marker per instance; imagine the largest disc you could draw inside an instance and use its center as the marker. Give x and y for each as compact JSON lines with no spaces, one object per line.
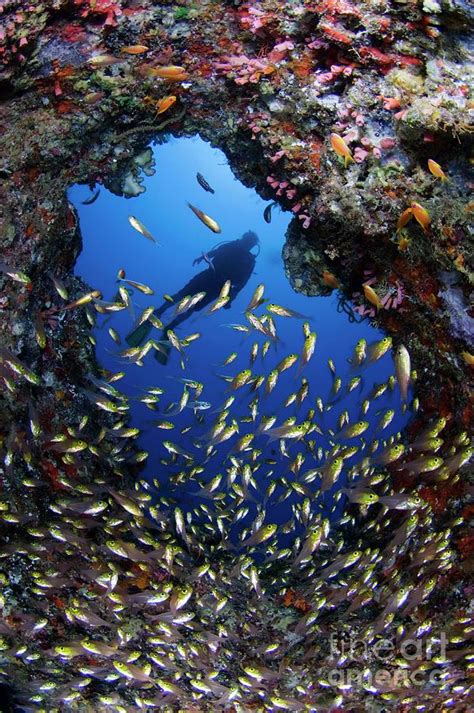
{"x":458,"y":311}
{"x":304,"y":263}
{"x":267,"y":82}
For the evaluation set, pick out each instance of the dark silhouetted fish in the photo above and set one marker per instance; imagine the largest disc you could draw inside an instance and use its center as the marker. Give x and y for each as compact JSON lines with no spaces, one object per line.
{"x":267,"y":213}
{"x":202,"y":182}
{"x":92,"y":199}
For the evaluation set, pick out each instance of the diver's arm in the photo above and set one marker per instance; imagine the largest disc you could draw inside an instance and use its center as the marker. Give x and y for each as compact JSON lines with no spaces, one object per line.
{"x":224,"y":248}
{"x":202,"y":257}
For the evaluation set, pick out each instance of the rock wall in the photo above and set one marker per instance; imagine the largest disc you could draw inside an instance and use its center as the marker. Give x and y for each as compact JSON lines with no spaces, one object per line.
{"x":268,"y":83}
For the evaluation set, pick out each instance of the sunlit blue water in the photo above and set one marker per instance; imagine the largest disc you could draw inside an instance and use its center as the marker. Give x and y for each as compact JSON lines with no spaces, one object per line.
{"x":110,"y":243}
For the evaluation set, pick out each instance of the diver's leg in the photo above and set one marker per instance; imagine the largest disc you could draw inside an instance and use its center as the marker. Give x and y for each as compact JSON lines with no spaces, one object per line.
{"x":137,"y":336}
{"x":163,"y":307}
{"x":180,"y":318}
{"x":162,"y":357}
{"x":198,"y":283}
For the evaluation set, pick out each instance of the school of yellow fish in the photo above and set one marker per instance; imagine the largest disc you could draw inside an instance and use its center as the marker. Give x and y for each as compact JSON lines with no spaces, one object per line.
{"x":142,"y":603}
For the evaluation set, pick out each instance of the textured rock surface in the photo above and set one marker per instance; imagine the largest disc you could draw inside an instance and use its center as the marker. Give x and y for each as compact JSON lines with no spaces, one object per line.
{"x":267,"y":83}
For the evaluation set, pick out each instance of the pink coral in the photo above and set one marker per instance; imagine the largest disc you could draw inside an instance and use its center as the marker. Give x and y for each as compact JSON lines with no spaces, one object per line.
{"x":273,"y":182}
{"x":250,"y":69}
{"x":110,"y":9}
{"x":281,"y":188}
{"x":401,"y":114}
{"x":335,"y":70}
{"x":276,"y":157}
{"x":387,"y":142}
{"x":392,"y":299}
{"x":252,"y":18}
{"x":324,"y":77}
{"x":351,"y":135}
{"x":360,"y":154}
{"x":280,"y":51}
{"x":244,"y":69}
{"x":306,"y":220}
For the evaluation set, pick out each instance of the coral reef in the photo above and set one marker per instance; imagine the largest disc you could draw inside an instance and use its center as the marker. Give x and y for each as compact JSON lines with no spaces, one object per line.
{"x":129,"y":180}
{"x":462,"y":323}
{"x":267,"y":82}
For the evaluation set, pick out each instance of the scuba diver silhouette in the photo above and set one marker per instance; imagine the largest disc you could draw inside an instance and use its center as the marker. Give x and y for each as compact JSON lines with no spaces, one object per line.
{"x":232,"y":261}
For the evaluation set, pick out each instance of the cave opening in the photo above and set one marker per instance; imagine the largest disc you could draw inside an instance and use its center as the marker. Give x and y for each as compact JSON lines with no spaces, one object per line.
{"x":147,"y":562}
{"x":178,"y":422}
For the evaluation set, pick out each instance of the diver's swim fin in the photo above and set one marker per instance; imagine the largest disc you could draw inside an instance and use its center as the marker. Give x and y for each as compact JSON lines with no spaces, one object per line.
{"x":162,"y":356}
{"x":138,"y":336}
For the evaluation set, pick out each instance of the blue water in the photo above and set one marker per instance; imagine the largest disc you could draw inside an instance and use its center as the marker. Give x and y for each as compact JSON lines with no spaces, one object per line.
{"x":110,"y":243}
